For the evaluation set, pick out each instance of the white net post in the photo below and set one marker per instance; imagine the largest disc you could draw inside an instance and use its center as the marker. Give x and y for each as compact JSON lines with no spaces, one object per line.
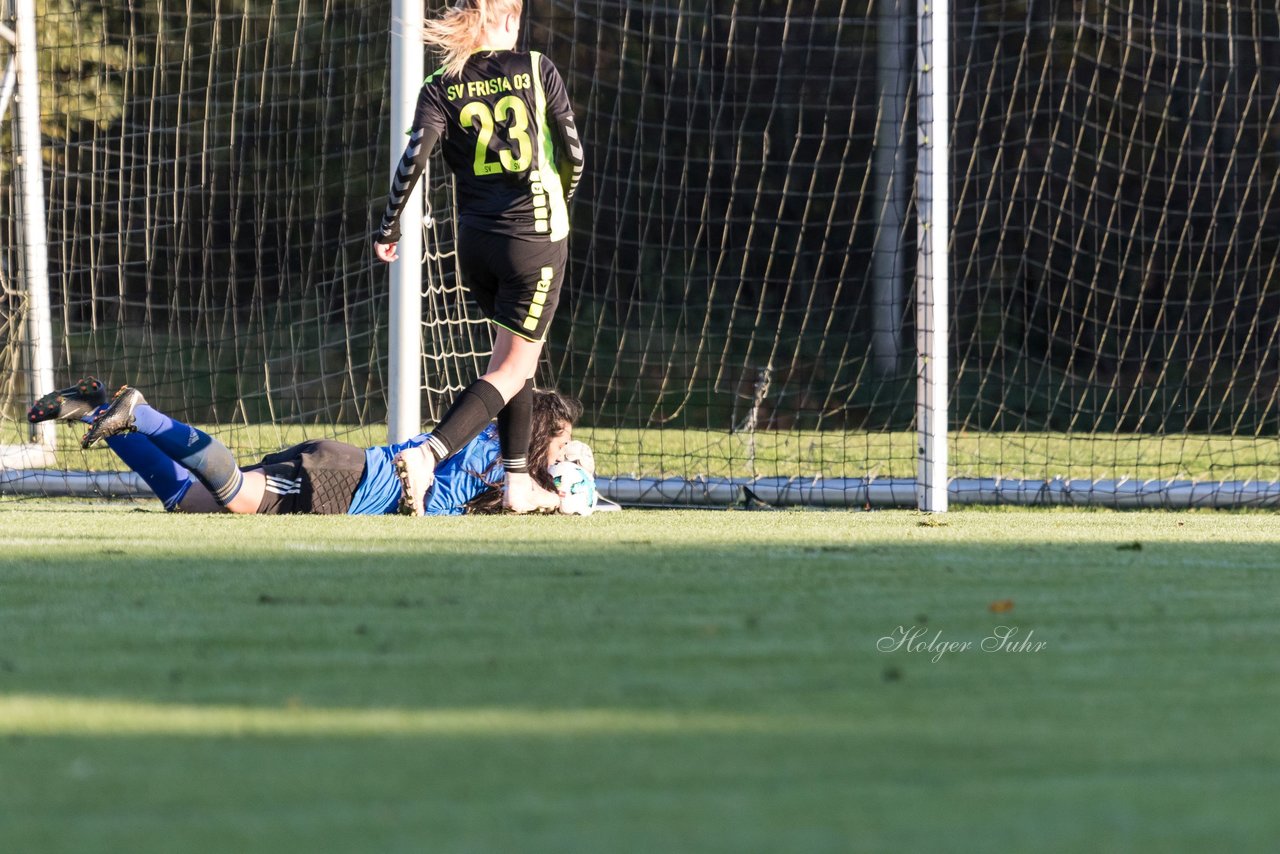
{"x":931,"y":265}
{"x":35,"y":244}
{"x":404,"y":401}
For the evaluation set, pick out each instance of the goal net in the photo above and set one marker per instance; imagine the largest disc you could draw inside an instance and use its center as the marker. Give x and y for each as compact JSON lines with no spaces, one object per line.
{"x":210,"y":170}
{"x":740,"y":318}
{"x":1114,"y":264}
{"x":1116,"y":252}
{"x":739,"y":312}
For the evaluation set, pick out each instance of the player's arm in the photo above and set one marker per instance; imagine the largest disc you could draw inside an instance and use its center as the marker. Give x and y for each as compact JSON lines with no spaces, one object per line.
{"x":412,"y":164}
{"x":428,"y":128}
{"x":572,"y":161}
{"x":571,"y":158}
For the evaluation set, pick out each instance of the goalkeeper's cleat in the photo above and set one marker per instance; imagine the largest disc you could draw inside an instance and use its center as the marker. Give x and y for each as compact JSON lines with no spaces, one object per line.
{"x":416,"y":468}
{"x":70,"y":404}
{"x":117,"y":418}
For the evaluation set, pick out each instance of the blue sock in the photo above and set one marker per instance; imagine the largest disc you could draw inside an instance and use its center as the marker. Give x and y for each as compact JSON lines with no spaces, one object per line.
{"x":168,"y":480}
{"x":197,"y":451}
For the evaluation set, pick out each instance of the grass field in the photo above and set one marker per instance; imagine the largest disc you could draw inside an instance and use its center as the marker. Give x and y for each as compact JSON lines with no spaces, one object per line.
{"x":637,"y":682}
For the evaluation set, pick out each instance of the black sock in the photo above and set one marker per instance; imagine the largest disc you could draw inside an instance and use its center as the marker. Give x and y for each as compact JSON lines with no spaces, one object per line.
{"x":471,"y":412}
{"x":515,"y":423}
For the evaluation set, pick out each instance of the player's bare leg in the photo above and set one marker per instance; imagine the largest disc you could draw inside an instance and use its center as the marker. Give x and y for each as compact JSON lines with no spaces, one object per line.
{"x":249,"y":498}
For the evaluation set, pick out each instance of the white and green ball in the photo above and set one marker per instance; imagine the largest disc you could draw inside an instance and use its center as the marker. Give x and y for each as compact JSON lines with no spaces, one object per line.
{"x":577,"y":488}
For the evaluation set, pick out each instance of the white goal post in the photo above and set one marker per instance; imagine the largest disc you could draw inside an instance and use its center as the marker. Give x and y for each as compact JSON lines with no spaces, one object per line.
{"x":404,"y":396}
{"x":22,"y":90}
{"x":934,"y":227}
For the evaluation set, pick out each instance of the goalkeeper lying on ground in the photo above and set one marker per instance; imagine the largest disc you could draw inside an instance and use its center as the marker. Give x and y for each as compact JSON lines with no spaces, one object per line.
{"x":192,"y":472}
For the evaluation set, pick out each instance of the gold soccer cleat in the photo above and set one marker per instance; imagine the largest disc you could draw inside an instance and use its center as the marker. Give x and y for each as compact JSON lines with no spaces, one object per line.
{"x":416,"y":468}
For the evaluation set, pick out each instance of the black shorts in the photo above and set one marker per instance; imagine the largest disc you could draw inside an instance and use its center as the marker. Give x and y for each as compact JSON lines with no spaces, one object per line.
{"x":515,"y":282}
{"x":319,"y":476}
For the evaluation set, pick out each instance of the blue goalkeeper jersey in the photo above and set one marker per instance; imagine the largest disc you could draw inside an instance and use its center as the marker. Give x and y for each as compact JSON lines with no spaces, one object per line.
{"x":458,"y":479}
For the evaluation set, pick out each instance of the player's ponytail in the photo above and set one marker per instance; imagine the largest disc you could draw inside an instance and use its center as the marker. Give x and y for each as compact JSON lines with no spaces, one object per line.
{"x":459,"y":31}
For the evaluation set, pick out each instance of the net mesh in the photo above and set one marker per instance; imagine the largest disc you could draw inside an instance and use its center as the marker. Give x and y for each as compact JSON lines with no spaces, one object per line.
{"x":723,"y":319}
{"x":739,"y":298}
{"x":210,"y":170}
{"x":1117,"y":240}
{"x":216,"y":170}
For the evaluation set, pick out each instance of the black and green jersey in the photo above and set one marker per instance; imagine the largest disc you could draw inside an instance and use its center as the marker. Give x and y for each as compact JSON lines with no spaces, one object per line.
{"x":508,"y":134}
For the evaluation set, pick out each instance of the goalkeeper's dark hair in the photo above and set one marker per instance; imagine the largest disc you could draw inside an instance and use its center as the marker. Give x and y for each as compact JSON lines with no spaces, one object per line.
{"x":552,"y":412}
{"x":459,"y":31}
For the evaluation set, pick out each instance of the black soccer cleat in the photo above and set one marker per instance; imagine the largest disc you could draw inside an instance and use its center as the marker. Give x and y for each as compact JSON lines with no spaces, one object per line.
{"x":70,"y":404}
{"x":116,"y":418}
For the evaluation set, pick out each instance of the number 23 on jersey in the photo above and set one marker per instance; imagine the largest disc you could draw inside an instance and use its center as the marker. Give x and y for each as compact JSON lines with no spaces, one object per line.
{"x":477,"y":116}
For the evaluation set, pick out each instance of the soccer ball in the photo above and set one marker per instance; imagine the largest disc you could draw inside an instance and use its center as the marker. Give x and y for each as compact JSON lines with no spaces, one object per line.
{"x":577,"y":488}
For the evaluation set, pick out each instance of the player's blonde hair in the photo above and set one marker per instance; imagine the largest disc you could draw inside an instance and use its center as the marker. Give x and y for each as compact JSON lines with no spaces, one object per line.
{"x":459,"y":30}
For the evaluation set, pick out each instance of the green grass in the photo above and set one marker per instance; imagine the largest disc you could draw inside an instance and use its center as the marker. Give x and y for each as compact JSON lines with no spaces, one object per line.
{"x":811,"y":453}
{"x":636,"y":682}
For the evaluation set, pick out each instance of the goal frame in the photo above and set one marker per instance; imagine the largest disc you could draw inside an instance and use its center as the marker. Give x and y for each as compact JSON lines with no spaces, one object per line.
{"x":21,"y":89}
{"x":410,"y":358}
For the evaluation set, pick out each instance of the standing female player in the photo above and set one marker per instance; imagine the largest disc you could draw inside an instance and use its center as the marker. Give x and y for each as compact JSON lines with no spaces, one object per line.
{"x":507,"y":130}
